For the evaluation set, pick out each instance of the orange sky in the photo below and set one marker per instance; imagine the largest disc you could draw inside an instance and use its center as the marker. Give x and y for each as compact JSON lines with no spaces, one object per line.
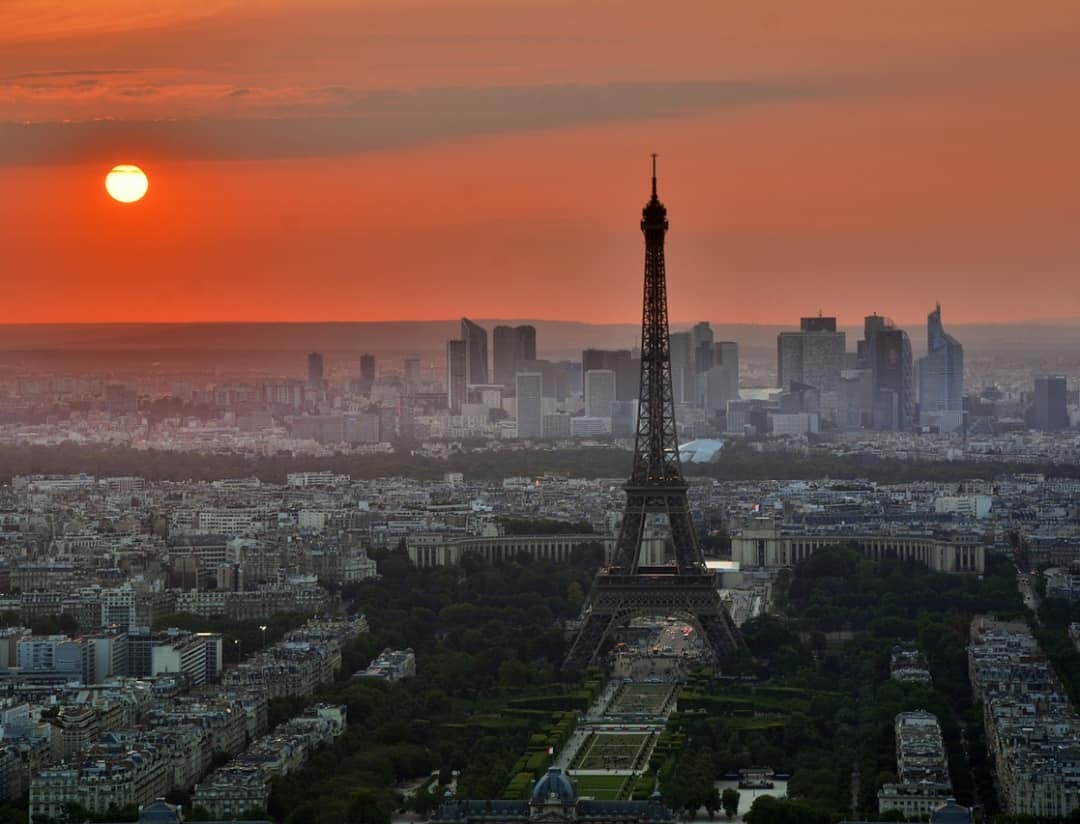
{"x":384,"y":159}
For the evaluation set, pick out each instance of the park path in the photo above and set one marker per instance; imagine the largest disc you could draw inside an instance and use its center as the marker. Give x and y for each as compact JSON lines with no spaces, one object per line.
{"x":597,"y":720}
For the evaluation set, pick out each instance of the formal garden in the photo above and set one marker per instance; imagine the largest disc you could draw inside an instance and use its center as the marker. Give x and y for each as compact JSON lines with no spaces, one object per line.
{"x":641,"y":699}
{"x":613,"y":751}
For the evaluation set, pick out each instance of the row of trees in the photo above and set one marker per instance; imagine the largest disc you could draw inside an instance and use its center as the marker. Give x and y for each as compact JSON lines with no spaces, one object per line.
{"x":739,"y":462}
{"x":821,"y":705}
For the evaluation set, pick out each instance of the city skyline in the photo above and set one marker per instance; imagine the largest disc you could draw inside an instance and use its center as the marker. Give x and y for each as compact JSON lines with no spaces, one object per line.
{"x":900,"y":158}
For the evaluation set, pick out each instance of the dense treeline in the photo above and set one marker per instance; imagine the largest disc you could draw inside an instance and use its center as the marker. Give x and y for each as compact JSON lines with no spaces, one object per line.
{"x":821,"y":706}
{"x":544,"y":526}
{"x":738,"y":462}
{"x":484,"y":636}
{"x":1052,"y":631}
{"x":161,"y":465}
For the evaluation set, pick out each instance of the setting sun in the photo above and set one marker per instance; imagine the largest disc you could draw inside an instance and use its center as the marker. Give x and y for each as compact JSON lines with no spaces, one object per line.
{"x":126,"y":183}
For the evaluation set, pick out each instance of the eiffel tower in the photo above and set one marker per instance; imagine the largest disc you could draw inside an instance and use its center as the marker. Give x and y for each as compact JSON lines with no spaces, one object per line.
{"x":626,"y":589}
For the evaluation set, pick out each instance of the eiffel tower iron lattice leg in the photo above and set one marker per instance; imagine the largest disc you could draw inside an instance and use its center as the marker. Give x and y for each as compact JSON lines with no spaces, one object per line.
{"x":625,"y":589}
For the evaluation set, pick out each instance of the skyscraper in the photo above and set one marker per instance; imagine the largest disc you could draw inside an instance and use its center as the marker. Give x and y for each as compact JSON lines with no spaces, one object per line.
{"x":476,"y":352}
{"x":412,"y":374}
{"x":885,"y":352}
{"x":1049,"y":411}
{"x":623,"y":418}
{"x":367,"y":368}
{"x":941,"y":377}
{"x":894,"y":404}
{"x":626,"y":367}
{"x":701,"y":338}
{"x":456,"y":378}
{"x":721,"y":382}
{"x":813,"y":356}
{"x":817,"y":324}
{"x":514,"y":347}
{"x":682,"y":367}
{"x":530,"y":414}
{"x":315,"y":370}
{"x":872,"y":324}
{"x":599,"y":392}
{"x":367,"y":373}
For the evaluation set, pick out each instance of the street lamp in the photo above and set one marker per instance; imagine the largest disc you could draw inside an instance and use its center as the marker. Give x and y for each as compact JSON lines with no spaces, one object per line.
{"x":263,"y":628}
{"x":236,"y":643}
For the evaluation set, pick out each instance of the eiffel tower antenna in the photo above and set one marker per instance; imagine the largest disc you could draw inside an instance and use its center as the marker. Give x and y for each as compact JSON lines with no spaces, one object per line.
{"x":625,"y":589}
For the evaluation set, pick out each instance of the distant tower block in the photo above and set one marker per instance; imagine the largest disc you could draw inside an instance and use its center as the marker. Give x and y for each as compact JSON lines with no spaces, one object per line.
{"x":627,"y":589}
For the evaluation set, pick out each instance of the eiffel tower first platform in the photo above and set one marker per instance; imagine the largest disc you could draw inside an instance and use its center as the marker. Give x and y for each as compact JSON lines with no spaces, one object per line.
{"x":625,"y":589}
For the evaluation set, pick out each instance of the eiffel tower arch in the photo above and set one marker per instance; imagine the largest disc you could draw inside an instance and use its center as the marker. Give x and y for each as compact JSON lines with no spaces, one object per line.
{"x":626,"y":589}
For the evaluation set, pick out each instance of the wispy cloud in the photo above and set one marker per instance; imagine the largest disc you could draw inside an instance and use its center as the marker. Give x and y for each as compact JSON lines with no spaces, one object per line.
{"x":61,"y":74}
{"x":351,"y":122}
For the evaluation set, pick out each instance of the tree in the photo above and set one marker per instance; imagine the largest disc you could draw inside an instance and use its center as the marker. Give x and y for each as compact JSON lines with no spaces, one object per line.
{"x":365,"y":809}
{"x":713,"y":804}
{"x":575,"y":596}
{"x":730,"y":801}
{"x":769,"y":810}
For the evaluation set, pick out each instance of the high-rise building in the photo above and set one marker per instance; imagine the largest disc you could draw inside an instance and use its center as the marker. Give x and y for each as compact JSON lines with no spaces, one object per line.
{"x":701,"y":338}
{"x":623,"y":418}
{"x":628,"y":379}
{"x":476,"y":352}
{"x":457,"y":384}
{"x":682,"y":367}
{"x":412,"y":374}
{"x":120,"y":399}
{"x":872,"y":324}
{"x":894,"y":402}
{"x":557,"y":425}
{"x":622,"y":362}
{"x":941,"y":377}
{"x":514,"y":347}
{"x":315,"y":370}
{"x":885,"y":352}
{"x":503,"y":346}
{"x":529,"y":387}
{"x":721,"y":381}
{"x":813,"y":356}
{"x":367,"y":374}
{"x":1049,"y":410}
{"x":817,"y":324}
{"x":599,"y":392}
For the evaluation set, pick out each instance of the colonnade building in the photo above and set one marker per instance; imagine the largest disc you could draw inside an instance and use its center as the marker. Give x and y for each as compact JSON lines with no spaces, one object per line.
{"x":774,"y":546}
{"x":440,"y":550}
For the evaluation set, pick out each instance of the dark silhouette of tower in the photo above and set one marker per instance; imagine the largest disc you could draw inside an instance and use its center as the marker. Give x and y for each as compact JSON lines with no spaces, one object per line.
{"x":514,"y":347}
{"x":626,"y":589}
{"x":367,"y":373}
{"x":315,"y":370}
{"x":476,"y":352}
{"x":1049,"y":410}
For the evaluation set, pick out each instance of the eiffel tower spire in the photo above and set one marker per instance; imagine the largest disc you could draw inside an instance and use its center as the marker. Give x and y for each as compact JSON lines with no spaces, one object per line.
{"x":655,"y":489}
{"x":656,"y":452}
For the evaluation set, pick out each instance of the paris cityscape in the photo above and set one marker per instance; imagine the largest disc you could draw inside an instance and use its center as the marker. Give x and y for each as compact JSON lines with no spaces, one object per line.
{"x":406,"y":430}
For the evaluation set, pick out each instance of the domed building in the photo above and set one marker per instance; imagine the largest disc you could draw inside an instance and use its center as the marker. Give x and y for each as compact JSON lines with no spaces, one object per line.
{"x":554,"y":798}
